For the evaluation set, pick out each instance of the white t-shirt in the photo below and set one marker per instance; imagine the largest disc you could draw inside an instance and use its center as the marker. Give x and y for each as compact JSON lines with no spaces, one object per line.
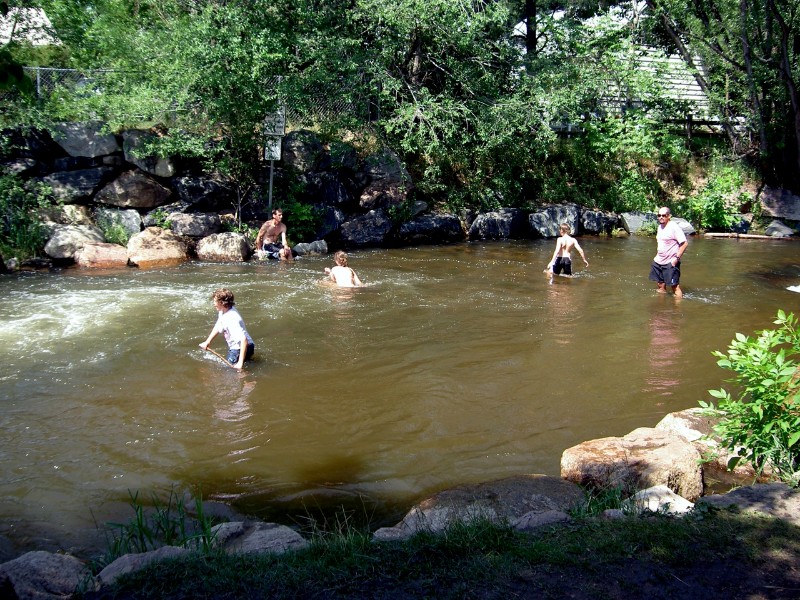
{"x":231,"y":326}
{"x":669,"y":238}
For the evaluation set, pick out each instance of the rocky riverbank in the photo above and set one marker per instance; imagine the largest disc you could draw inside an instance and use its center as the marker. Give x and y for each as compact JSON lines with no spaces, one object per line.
{"x":659,"y":469}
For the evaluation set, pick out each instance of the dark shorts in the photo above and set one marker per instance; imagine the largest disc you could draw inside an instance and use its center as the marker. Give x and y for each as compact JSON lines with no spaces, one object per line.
{"x":666,"y":274}
{"x":233,"y":355}
{"x":562,"y":264}
{"x":273,"y":250}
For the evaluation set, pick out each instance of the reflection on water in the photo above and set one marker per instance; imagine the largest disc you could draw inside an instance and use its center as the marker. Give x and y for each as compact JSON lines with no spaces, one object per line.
{"x":664,"y":351}
{"x":455,"y":364}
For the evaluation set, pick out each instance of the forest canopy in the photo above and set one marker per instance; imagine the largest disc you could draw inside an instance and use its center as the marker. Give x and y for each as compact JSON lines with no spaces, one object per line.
{"x":474,"y":95}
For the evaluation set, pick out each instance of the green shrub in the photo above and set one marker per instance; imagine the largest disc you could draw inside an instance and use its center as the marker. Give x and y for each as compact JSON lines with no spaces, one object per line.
{"x":113,"y":230}
{"x":762,"y":424}
{"x":714,"y":206}
{"x":21,"y":203}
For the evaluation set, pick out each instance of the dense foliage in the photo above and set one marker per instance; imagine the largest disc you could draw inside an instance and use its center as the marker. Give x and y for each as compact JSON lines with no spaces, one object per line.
{"x":484,"y":114}
{"x":762,"y":423}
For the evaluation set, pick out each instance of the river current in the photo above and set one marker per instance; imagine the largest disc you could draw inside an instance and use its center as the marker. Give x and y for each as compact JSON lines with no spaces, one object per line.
{"x":456,"y":364}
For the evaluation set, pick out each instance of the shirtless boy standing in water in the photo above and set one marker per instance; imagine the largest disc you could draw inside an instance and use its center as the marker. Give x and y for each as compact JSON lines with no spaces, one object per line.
{"x":561,"y":260}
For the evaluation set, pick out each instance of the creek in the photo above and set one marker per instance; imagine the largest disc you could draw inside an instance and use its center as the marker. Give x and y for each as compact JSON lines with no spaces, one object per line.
{"x":456,"y":364}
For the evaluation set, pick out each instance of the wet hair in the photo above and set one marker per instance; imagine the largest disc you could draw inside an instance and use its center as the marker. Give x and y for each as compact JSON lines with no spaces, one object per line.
{"x":224,"y":296}
{"x":340,"y":258}
{"x":564,"y":228}
{"x":276,"y":210}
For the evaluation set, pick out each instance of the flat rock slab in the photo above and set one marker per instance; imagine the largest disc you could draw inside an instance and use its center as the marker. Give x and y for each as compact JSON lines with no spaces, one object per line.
{"x":774,"y":499}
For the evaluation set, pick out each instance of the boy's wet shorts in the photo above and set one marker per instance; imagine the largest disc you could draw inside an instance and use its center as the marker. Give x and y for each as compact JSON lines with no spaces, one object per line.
{"x":233,"y":354}
{"x":562,"y":263}
{"x":666,"y":273}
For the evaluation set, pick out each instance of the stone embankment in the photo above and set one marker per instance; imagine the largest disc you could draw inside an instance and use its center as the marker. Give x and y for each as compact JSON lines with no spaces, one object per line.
{"x":659,"y":468}
{"x":172,"y":211}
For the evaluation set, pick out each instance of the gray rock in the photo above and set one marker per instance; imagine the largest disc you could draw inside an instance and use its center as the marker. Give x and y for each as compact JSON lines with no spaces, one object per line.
{"x":77,"y":186}
{"x":134,"y":189}
{"x":85,"y":139}
{"x":659,"y":499}
{"x":129,"y":219}
{"x":779,"y":230}
{"x":632,"y":222}
{"x":503,"y":500}
{"x":774,"y":499}
{"x":227,"y":247}
{"x":643,"y":458}
{"x":132,"y":142}
{"x":502,"y":224}
{"x":195,"y":224}
{"x":67,"y":239}
{"x":545,"y":223}
{"x":597,"y":222}
{"x":155,"y":247}
{"x":315,"y":247}
{"x":779,"y":203}
{"x":101,"y":256}
{"x":42,"y":576}
{"x":370,"y":229}
{"x":301,"y":150}
{"x":251,"y":537}
{"x":431,"y":229}
{"x":131,"y":563}
{"x":532,"y":521}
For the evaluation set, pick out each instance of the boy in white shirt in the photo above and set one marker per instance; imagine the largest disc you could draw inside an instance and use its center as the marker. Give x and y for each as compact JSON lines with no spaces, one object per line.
{"x":231,"y":325}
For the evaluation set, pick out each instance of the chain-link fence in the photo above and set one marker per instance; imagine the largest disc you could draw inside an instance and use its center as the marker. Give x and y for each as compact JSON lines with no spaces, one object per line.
{"x":322,"y":103}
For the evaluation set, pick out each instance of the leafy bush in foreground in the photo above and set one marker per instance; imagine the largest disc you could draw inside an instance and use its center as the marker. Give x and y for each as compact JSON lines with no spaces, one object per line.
{"x":762,"y":424}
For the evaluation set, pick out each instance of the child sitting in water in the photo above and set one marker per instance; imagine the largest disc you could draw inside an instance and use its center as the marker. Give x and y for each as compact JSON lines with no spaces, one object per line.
{"x":343,"y":275}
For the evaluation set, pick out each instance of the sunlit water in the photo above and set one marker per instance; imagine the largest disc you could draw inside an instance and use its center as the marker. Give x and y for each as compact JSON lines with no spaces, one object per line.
{"x":456,"y":364}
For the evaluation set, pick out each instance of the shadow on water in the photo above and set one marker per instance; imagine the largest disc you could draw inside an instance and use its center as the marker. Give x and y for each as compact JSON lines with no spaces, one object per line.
{"x":455,"y":365}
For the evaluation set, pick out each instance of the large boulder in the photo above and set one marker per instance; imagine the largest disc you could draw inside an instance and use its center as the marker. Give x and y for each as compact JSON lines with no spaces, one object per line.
{"x":100,"y":255}
{"x":85,"y":139}
{"x":302,"y":150}
{"x":775,"y":499}
{"x":133,"y":141}
{"x":326,"y":189}
{"x":201,"y":193}
{"x":256,"y":537}
{"x":42,"y":575}
{"x":778,"y":229}
{"x":308,"y":248}
{"x":388,"y":181}
{"x":431,"y":229}
{"x":366,"y":230}
{"x":71,"y":187}
{"x":131,"y":563}
{"x":546,"y":222}
{"x":779,"y":203}
{"x":134,"y":189}
{"x":195,"y":224}
{"x":129,"y":219}
{"x":597,"y":222}
{"x":644,"y":458}
{"x":513,"y":500}
{"x":632,"y":222}
{"x":501,"y":224}
{"x":696,"y":426}
{"x":156,"y":247}
{"x":224,"y":247}
{"x":65,"y":240}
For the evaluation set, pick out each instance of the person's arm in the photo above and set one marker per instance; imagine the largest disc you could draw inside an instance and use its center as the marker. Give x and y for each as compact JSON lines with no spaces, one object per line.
{"x":580,"y":251}
{"x":211,"y":336}
{"x":283,"y":237}
{"x":242,"y":351}
{"x":260,"y":237}
{"x":356,"y":280}
{"x":681,"y":249}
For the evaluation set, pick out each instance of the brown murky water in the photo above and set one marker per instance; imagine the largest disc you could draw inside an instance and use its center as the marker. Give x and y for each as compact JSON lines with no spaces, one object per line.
{"x":457,"y":364}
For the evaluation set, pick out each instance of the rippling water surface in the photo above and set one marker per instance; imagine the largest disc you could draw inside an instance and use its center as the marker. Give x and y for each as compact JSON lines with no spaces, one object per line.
{"x":456,"y":364}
